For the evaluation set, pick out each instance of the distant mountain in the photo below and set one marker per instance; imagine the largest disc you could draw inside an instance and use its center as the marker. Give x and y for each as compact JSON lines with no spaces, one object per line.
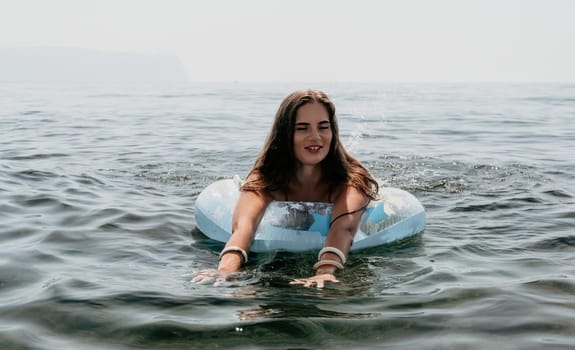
{"x":58,"y":64}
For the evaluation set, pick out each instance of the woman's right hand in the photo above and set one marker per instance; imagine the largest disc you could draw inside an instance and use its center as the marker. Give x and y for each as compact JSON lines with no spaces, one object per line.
{"x":211,"y":276}
{"x":228,"y":268}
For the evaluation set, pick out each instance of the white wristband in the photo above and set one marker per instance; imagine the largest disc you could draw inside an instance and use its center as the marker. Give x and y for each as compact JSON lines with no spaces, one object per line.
{"x":334,"y":250}
{"x":234,"y":248}
{"x":321,"y":263}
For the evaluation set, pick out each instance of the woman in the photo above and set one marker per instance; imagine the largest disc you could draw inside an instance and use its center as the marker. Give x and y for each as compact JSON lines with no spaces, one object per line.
{"x":302,"y":160}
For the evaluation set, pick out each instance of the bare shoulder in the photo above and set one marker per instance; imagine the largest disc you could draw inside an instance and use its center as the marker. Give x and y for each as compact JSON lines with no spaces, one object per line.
{"x":349,"y":198}
{"x":254,"y":192}
{"x":253,"y":199}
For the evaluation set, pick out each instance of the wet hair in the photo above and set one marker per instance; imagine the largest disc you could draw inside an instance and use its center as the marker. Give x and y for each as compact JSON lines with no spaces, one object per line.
{"x":276,"y":164}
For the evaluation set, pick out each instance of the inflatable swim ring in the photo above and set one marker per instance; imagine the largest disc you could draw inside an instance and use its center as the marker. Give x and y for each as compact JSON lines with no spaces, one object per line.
{"x":302,"y":226}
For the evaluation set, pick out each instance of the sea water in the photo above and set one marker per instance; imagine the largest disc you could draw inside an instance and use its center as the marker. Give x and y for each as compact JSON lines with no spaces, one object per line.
{"x":98,"y":239}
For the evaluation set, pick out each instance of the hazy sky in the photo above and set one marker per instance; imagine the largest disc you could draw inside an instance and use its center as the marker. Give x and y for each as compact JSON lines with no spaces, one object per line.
{"x":316,"y":40}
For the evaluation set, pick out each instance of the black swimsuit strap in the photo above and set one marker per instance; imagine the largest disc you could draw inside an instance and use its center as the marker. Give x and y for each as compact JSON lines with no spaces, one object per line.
{"x":348,"y":213}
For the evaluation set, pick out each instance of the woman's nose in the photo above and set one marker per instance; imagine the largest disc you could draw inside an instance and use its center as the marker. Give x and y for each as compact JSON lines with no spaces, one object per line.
{"x":314,"y":134}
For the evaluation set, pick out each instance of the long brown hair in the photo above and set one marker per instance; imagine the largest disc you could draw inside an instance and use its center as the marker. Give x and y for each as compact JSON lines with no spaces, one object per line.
{"x":276,"y":164}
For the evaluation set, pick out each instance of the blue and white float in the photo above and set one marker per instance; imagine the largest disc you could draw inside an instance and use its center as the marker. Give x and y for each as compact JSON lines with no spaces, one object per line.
{"x":302,"y":226}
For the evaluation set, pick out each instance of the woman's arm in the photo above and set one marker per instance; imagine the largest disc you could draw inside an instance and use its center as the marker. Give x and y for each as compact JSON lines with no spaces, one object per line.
{"x":248,"y":212}
{"x":247,"y":215}
{"x":346,"y":216}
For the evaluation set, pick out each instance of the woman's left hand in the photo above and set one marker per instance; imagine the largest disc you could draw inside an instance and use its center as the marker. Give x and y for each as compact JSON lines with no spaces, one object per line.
{"x":317,"y":280}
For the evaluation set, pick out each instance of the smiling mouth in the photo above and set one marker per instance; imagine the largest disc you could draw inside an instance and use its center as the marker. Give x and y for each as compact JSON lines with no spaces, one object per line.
{"x":314,"y":148}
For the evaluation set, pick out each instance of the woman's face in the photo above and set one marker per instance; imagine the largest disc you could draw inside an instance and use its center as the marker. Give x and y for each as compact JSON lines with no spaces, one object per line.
{"x":312,"y":134}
